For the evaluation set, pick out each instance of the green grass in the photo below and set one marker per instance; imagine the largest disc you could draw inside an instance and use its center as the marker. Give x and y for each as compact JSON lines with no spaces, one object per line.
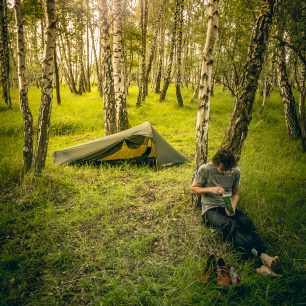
{"x":128,"y":235}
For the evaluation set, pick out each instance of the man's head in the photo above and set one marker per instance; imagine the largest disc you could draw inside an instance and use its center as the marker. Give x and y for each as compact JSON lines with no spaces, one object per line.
{"x":224,"y":159}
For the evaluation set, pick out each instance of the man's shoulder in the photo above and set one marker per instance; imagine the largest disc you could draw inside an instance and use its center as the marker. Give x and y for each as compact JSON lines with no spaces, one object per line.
{"x":236,"y":172}
{"x":206,"y":167}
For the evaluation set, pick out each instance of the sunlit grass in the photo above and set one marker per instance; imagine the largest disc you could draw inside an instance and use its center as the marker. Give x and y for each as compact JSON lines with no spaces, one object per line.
{"x":127,"y":235}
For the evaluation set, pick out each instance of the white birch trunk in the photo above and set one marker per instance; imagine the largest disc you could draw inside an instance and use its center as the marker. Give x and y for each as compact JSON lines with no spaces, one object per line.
{"x":23,"y":91}
{"x":108,"y":81}
{"x":205,"y":84}
{"x":118,"y":65}
{"x":46,"y":88}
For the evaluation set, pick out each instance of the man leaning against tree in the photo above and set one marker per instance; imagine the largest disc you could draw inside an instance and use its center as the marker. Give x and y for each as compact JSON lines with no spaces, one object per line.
{"x":222,"y":177}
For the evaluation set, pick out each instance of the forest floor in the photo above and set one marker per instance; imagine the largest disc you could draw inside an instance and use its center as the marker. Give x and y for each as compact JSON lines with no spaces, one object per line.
{"x":128,"y":235}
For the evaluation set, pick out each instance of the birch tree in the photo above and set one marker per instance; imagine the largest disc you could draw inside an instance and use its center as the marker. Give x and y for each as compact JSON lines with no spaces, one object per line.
{"x":46,"y":88}
{"x":205,"y":84}
{"x":143,"y":24}
{"x":118,"y":66}
{"x":154,"y":43}
{"x":242,"y":114}
{"x":180,"y":4}
{"x":291,"y":118}
{"x":108,"y":82}
{"x":5,"y":54}
{"x":23,"y":91}
{"x":167,"y":79}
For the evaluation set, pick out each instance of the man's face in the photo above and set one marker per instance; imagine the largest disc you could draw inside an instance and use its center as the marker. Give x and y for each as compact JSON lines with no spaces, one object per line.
{"x":222,"y":169}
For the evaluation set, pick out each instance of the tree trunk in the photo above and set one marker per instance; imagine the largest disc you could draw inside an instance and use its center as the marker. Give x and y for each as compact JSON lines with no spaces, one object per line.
{"x":155,"y":34}
{"x":46,"y":88}
{"x":180,"y":3}
{"x":242,"y":114}
{"x":291,"y":118}
{"x":205,"y":84}
{"x":108,"y":81}
{"x":5,"y":54}
{"x":143,"y":22}
{"x":161,"y":59}
{"x":67,"y":60}
{"x":99,"y":76}
{"x":264,"y":93}
{"x":167,"y":79}
{"x":57,"y":80}
{"x":118,"y":64}
{"x":23,"y":91}
{"x":300,"y":81}
{"x":82,"y":78}
{"x":88,"y":89}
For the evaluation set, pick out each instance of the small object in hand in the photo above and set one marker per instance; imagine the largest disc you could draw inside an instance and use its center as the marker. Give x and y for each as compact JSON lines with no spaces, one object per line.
{"x":228,"y":203}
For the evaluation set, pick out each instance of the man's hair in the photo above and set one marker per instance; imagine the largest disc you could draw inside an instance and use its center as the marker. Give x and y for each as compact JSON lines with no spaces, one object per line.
{"x":226,"y":158}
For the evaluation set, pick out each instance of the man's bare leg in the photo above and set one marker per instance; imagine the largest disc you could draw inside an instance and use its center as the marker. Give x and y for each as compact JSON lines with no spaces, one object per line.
{"x":269,"y":261}
{"x":266,"y":271}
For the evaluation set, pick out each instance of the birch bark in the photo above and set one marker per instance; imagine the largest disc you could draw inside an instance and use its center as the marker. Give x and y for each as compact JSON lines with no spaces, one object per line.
{"x":109,"y":102}
{"x":118,"y":66}
{"x":205,"y":84}
{"x":46,"y":88}
{"x":242,"y":114}
{"x":27,"y":149}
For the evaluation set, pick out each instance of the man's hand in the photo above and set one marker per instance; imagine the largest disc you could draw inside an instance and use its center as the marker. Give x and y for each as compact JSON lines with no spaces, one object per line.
{"x":215,"y":190}
{"x":228,"y":213}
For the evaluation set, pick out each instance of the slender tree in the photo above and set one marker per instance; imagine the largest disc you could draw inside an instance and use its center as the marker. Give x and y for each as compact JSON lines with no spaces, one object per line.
{"x":108,"y":82}
{"x":153,"y":49}
{"x":57,"y":79}
{"x":87,"y":48}
{"x":98,"y":72}
{"x":205,"y":84}
{"x":23,"y":91}
{"x":242,"y":114}
{"x":301,"y":85}
{"x":5,"y":54}
{"x":291,"y":118}
{"x":118,"y":66}
{"x":143,"y":23}
{"x":167,"y":78}
{"x":46,"y":88}
{"x":179,"y":97}
{"x":161,"y":60}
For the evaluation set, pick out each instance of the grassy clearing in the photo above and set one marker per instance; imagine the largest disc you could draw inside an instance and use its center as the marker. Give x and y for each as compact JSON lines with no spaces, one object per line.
{"x":127,"y":235}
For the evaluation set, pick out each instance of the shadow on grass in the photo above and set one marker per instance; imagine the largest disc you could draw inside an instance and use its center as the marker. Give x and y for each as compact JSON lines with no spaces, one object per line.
{"x":31,"y":242}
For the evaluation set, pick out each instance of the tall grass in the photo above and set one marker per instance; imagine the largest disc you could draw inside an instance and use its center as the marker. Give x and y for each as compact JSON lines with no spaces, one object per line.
{"x":127,"y":235}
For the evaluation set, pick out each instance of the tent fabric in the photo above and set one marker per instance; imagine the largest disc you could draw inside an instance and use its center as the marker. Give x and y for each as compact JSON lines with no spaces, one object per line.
{"x":141,"y":141}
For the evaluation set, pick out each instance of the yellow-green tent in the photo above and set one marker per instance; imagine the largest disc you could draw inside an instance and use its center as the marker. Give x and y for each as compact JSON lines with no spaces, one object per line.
{"x":140,"y":144}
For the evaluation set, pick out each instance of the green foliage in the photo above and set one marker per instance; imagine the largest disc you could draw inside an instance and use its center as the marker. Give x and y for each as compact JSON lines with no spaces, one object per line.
{"x":127,"y":235}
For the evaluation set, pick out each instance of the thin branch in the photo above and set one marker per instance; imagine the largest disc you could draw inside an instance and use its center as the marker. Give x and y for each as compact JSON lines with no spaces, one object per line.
{"x":287,"y":44}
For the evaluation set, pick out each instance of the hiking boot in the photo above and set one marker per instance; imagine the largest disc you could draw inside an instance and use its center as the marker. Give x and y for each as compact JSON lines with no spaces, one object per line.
{"x":208,"y":271}
{"x":223,"y":273}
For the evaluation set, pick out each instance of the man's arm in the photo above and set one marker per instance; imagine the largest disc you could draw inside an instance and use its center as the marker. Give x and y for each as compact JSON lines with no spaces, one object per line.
{"x":235,"y":198}
{"x":196,"y":188}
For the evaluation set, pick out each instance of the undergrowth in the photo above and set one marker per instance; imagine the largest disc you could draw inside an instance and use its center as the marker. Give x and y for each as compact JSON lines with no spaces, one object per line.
{"x":127,"y":235}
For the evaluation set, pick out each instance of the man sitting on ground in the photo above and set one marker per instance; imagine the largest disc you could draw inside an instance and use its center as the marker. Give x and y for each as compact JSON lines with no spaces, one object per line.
{"x":215,"y":179}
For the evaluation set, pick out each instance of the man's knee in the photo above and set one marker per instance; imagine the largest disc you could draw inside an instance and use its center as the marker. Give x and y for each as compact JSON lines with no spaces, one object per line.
{"x":245,"y":221}
{"x":228,"y":227}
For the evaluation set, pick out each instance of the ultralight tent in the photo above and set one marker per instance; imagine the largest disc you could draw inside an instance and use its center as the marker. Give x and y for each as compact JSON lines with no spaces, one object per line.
{"x":140,"y":144}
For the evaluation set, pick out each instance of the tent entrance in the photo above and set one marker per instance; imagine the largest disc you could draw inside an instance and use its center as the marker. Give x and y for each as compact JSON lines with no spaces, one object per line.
{"x":139,"y":148}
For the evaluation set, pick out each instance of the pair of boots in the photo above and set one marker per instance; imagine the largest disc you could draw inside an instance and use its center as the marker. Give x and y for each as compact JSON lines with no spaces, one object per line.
{"x":218,"y":270}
